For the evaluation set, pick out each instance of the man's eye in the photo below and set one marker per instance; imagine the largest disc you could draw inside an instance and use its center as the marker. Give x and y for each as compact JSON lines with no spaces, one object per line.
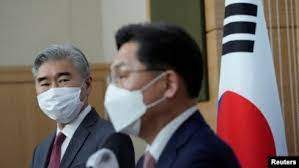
{"x":44,"y":84}
{"x":63,"y":80}
{"x":122,"y":76}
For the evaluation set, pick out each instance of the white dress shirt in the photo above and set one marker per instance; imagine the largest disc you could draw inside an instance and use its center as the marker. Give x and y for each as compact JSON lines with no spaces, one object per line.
{"x":165,"y":134}
{"x":70,"y":128}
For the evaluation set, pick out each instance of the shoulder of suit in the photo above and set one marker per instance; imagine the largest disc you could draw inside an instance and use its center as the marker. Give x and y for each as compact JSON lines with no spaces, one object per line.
{"x":102,"y":124}
{"x":45,"y":141}
{"x":208,"y":142}
{"x":210,"y":148}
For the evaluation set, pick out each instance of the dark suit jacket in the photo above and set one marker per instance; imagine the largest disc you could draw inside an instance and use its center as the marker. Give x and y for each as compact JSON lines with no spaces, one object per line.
{"x":194,"y":144}
{"x":87,"y":139}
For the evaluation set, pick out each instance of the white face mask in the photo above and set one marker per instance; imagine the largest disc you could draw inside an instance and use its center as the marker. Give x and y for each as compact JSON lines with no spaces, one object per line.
{"x":61,"y":104}
{"x":125,"y":107}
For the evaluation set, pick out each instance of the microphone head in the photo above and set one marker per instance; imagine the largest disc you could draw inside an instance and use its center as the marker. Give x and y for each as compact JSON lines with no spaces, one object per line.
{"x":122,"y":147}
{"x":103,"y":158}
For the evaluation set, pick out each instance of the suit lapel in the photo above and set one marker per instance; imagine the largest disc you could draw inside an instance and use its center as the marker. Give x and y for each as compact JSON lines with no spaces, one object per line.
{"x":78,"y":139}
{"x":168,"y":155}
{"x":140,"y":162}
{"x":179,"y":139}
{"x":47,"y":147}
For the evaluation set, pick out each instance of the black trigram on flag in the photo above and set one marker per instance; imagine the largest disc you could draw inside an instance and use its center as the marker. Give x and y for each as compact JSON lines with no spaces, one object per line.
{"x":239,"y":28}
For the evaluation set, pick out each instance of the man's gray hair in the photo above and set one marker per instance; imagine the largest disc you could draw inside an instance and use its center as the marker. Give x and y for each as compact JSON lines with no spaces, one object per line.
{"x":60,"y":52}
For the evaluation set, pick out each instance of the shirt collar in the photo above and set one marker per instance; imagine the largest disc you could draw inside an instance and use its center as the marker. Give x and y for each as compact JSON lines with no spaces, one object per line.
{"x":70,"y":128}
{"x":165,"y":134}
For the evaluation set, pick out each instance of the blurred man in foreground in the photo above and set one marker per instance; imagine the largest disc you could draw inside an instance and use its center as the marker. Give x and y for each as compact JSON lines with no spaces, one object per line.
{"x":154,"y":84}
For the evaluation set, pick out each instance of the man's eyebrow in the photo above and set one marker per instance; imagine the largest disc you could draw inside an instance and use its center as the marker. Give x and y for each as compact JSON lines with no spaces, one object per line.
{"x":63,"y":74}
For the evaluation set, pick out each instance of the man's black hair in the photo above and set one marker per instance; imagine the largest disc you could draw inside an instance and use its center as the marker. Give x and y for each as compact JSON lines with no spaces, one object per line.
{"x":166,"y":46}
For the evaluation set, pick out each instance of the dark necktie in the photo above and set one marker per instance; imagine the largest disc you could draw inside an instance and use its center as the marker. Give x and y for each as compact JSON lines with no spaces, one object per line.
{"x":149,"y":161}
{"x":56,"y":151}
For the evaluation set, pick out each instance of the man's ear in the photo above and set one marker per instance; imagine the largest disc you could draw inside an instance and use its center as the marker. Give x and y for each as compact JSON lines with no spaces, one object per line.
{"x":86,"y":88}
{"x":88,"y":85}
{"x":172,"y":84}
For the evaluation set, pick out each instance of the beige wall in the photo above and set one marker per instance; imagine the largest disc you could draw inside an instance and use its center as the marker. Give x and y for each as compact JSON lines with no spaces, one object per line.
{"x":116,"y":13}
{"x":27,"y":26}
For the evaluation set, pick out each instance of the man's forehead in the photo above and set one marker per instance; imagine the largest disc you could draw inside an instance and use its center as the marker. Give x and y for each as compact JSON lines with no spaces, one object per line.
{"x":55,"y":75}
{"x":126,"y":62}
{"x":116,"y":64}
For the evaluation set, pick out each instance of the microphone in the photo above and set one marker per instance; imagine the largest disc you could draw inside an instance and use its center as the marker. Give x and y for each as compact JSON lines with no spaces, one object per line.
{"x":103,"y":158}
{"x":117,"y":152}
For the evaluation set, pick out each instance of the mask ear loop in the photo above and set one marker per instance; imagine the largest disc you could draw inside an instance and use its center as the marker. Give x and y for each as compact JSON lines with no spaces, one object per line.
{"x":156,"y":102}
{"x":153,"y":81}
{"x":148,"y":85}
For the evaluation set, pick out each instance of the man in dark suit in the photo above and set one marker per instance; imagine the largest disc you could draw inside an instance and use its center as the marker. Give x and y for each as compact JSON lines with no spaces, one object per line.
{"x":154,"y":85}
{"x":63,"y":84}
